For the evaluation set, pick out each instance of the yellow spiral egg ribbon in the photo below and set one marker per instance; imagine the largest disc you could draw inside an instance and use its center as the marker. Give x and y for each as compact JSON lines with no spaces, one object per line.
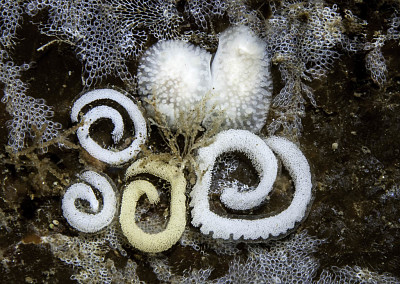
{"x":164,"y":240}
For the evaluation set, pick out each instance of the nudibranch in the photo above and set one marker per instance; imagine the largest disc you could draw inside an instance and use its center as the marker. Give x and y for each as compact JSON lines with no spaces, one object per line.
{"x":241,"y":80}
{"x":175,"y":75}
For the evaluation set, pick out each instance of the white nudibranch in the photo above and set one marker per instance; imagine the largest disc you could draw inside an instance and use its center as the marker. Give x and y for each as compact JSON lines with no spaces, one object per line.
{"x":176,"y":75}
{"x":112,"y":156}
{"x":258,"y":151}
{"x":241,"y":81}
{"x":88,"y":222}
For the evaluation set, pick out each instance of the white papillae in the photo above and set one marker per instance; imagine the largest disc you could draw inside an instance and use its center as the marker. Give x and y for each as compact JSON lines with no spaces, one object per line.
{"x":241,"y":81}
{"x":176,"y":75}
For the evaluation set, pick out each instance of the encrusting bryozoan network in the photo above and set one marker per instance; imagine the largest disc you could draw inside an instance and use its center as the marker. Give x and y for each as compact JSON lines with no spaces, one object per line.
{"x":27,"y":112}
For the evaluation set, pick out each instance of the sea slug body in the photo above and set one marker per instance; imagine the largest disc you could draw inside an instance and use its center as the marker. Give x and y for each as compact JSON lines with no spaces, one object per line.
{"x":176,"y":75}
{"x":241,"y":81}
